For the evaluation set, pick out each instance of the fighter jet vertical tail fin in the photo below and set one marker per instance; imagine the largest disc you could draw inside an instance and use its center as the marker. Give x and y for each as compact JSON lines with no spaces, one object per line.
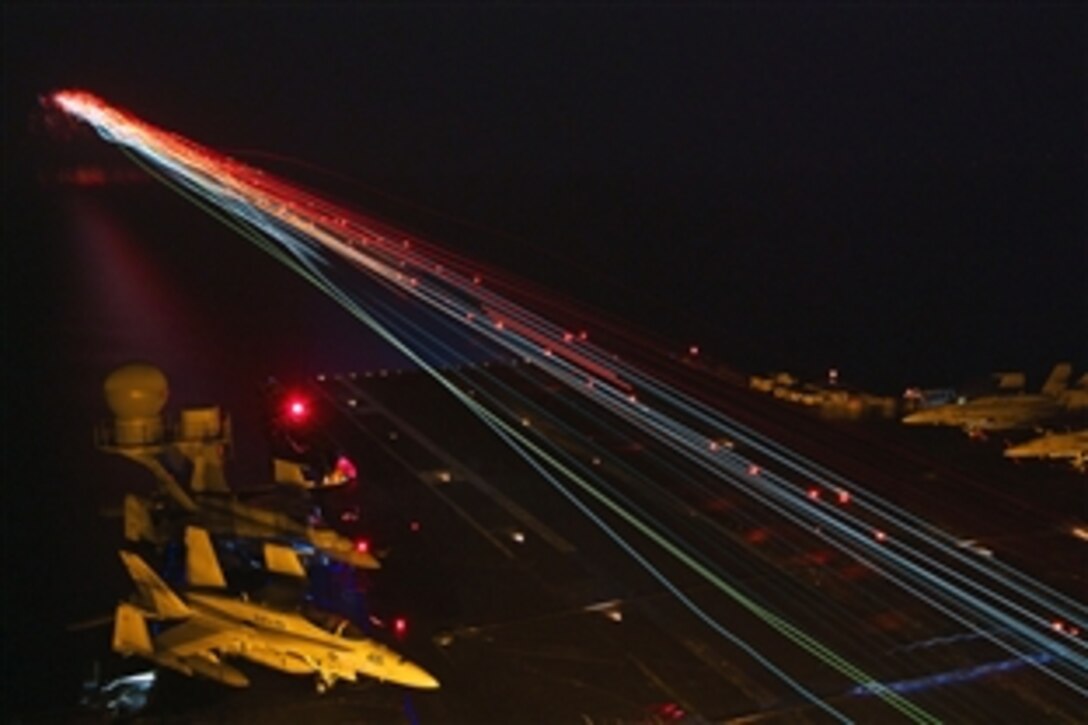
{"x":290,"y":473}
{"x":153,"y":591}
{"x":130,"y":635}
{"x":1056,"y":384}
{"x":282,"y":560}
{"x":201,"y":564}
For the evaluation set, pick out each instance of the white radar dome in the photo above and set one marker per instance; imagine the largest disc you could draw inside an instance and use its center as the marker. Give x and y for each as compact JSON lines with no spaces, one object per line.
{"x":137,"y":390}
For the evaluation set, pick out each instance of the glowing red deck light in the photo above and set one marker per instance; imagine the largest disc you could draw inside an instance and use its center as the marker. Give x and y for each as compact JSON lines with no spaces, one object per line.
{"x":1059,"y":626}
{"x":844,"y":497}
{"x":880,"y":535}
{"x":400,"y":626}
{"x":814,"y":494}
{"x":693,"y":350}
{"x":362,"y":546}
{"x":753,"y":470}
{"x":296,"y":409}
{"x":346,"y":468}
{"x":414,"y":526}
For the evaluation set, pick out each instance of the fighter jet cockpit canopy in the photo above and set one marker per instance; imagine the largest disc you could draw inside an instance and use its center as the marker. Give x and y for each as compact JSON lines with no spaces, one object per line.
{"x":334,"y":623}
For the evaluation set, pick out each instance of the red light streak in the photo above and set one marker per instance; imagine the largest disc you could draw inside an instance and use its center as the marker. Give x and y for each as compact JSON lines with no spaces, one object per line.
{"x":502,"y":322}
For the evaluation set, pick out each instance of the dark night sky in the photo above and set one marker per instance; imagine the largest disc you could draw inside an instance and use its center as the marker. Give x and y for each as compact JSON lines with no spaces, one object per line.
{"x":900,"y":188}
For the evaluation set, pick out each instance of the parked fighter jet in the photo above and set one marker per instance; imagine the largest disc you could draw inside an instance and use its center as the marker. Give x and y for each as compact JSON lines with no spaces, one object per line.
{"x":214,"y":625}
{"x":1072,"y":446}
{"x":1001,"y":412}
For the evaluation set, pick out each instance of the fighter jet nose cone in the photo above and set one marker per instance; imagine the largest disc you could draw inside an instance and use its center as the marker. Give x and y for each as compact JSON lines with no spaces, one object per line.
{"x":428,"y":682}
{"x":415,"y":676}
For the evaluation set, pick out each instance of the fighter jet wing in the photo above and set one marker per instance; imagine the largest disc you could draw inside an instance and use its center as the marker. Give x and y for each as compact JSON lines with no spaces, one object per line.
{"x":199,"y":637}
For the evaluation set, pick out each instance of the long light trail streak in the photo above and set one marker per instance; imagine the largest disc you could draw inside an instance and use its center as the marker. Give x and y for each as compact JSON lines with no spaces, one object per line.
{"x":989,"y":598}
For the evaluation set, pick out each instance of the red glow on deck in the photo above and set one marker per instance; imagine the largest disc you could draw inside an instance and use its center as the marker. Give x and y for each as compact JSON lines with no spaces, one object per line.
{"x":758,"y":536}
{"x":671,"y":711}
